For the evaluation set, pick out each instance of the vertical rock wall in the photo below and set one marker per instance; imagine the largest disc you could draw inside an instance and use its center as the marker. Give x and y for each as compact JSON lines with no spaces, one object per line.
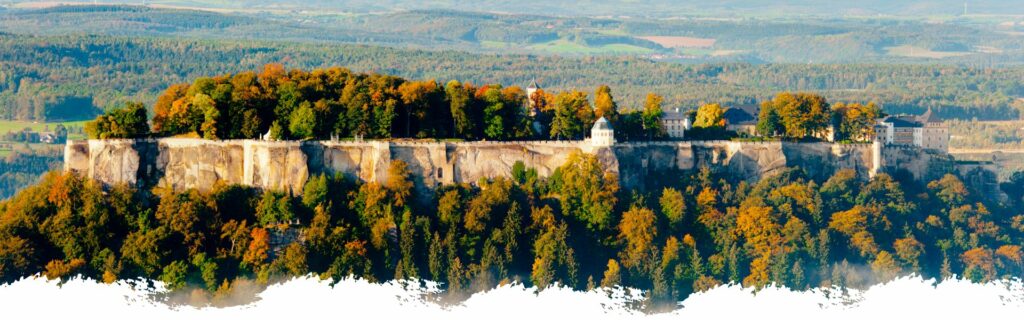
{"x":196,"y":163}
{"x":924,"y":165}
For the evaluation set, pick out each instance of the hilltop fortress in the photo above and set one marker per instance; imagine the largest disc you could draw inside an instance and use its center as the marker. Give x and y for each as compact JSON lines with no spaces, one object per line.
{"x":179,"y":163}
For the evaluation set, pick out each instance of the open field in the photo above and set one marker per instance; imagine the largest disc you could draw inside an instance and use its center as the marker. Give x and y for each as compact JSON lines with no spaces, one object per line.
{"x":568,"y":47}
{"x":681,"y":42}
{"x":17,"y":125}
{"x":14,"y":125}
{"x":918,"y":52}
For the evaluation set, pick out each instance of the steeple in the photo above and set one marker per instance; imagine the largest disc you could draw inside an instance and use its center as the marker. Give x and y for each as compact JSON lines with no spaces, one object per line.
{"x":533,"y":85}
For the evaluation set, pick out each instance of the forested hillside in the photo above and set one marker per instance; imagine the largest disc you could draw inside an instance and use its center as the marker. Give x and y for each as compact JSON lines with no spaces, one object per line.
{"x":979,"y":41}
{"x":685,"y":232}
{"x":65,"y":77}
{"x":22,"y":169}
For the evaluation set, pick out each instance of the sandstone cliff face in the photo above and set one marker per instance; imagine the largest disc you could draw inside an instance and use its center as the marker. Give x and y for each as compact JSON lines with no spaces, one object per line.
{"x":183,"y":163}
{"x":189,"y":163}
{"x":195,"y":163}
{"x":821,"y":160}
{"x":924,"y":165}
{"x":472,"y":162}
{"x":114,"y":161}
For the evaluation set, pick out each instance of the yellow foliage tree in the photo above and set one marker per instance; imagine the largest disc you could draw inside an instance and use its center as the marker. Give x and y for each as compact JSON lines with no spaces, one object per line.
{"x":612,"y":275}
{"x":710,"y":116}
{"x":637,"y":228}
{"x":259,"y":248}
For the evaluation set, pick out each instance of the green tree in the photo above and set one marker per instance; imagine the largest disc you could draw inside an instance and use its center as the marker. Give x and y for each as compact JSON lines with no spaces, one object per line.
{"x":302,"y":121}
{"x":588,"y":192}
{"x":129,"y":121}
{"x":573,"y":115}
{"x":174,"y":274}
{"x":495,"y":114}
{"x":211,"y":115}
{"x":315,"y":191}
{"x":651,"y":116}
{"x":673,"y":206}
{"x":275,"y":209}
{"x":554,"y":259}
{"x":459,"y":106}
{"x":768,"y":121}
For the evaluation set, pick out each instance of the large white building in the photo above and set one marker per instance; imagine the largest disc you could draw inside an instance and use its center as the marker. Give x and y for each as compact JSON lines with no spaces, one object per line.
{"x":927,"y":131}
{"x":675,"y":123}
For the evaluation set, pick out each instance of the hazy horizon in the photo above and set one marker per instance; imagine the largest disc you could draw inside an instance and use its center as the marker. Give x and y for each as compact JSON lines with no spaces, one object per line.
{"x":647,"y":8}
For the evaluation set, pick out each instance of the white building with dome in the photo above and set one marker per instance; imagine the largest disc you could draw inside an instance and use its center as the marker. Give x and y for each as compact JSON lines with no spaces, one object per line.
{"x":602,"y":134}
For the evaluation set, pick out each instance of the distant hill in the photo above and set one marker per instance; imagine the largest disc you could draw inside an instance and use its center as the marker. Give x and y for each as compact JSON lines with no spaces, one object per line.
{"x":657,"y":8}
{"x":114,"y":69}
{"x":975,"y":41}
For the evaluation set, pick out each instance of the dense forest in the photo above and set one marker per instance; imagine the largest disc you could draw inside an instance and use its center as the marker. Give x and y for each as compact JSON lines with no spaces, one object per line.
{"x":685,"y":232}
{"x":987,"y":134}
{"x":21,"y":169}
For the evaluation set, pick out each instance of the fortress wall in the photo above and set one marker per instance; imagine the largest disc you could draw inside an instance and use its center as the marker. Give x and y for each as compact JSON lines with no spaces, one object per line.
{"x":196,"y":163}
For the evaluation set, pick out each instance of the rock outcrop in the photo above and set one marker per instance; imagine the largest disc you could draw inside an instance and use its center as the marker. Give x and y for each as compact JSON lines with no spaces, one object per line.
{"x":196,"y":163}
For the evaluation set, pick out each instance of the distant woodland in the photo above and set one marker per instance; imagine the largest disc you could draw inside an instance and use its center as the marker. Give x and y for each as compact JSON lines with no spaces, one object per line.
{"x":71,"y":62}
{"x":76,"y":77}
{"x":990,"y":41}
{"x":21,"y":169}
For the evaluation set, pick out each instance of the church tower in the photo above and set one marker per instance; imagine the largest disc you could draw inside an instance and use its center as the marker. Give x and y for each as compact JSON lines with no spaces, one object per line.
{"x":530,"y":90}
